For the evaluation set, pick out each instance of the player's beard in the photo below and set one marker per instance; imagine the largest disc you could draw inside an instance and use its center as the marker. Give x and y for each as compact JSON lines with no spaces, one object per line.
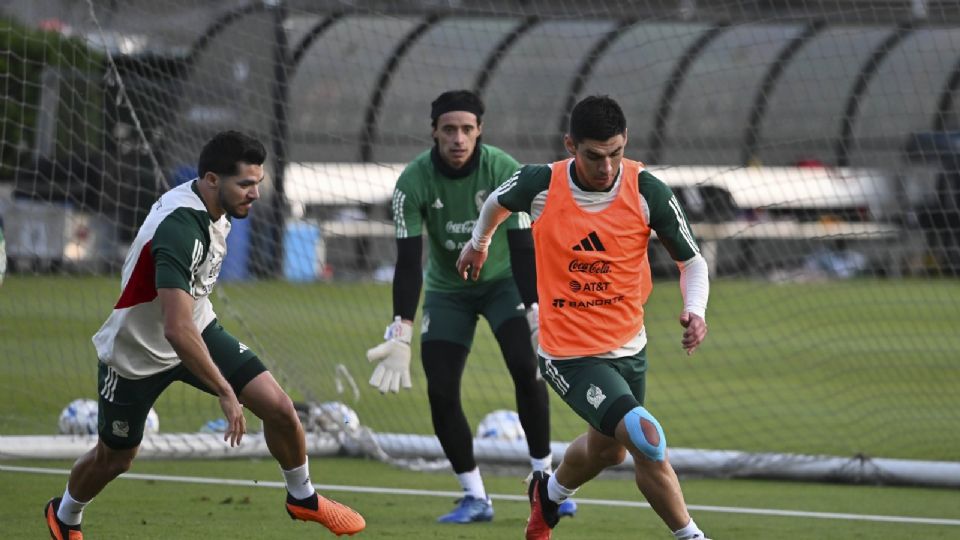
{"x":236,"y":211}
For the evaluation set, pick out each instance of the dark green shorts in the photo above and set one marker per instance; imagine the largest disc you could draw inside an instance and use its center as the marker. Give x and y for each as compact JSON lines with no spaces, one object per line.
{"x":452,"y":316}
{"x":125,"y":403}
{"x":599,"y":390}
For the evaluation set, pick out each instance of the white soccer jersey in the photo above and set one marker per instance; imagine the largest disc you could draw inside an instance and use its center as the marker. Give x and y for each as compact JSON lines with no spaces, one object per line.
{"x":178,"y":246}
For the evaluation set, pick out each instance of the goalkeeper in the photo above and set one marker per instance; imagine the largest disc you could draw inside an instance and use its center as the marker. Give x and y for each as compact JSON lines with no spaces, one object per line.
{"x":440,"y":193}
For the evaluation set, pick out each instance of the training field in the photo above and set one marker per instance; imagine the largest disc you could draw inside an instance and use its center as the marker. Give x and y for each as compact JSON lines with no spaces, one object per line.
{"x":727,"y":509}
{"x":846,"y":403}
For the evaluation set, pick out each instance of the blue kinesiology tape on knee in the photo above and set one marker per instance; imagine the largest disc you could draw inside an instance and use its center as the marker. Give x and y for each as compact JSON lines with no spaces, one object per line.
{"x":632,"y":421}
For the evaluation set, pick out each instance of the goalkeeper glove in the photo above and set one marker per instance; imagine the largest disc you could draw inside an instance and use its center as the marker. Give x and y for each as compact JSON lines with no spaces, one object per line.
{"x":393,"y":371}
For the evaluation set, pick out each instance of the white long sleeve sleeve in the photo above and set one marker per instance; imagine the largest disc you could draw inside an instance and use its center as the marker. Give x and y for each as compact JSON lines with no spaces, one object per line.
{"x":492,"y":214}
{"x":695,"y":285}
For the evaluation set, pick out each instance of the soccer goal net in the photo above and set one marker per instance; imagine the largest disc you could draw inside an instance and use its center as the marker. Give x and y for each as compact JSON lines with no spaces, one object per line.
{"x":815,"y":147}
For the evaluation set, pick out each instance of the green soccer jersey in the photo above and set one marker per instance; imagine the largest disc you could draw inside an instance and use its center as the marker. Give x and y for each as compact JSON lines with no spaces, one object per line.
{"x":526,"y":191}
{"x":446,"y":209}
{"x":178,"y":246}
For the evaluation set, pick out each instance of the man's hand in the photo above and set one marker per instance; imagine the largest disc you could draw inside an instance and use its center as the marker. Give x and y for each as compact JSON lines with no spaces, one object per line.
{"x":470,"y":262}
{"x":236,"y":423}
{"x":695,"y":331}
{"x":393,"y":371}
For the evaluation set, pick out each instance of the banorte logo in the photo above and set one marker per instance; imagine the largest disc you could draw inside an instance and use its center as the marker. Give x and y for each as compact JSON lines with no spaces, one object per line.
{"x":592,"y":267}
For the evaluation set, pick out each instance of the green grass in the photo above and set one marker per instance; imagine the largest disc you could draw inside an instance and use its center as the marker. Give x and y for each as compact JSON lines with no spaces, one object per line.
{"x":819,"y":368}
{"x":158,"y":509}
{"x":828,"y":368}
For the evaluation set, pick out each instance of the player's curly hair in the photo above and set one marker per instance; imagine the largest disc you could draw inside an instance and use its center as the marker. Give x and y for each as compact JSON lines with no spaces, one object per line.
{"x":597,"y":118}
{"x":222,"y":153}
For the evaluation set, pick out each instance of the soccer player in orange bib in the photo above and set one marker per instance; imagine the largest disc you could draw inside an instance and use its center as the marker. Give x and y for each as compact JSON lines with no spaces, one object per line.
{"x":592,"y":218}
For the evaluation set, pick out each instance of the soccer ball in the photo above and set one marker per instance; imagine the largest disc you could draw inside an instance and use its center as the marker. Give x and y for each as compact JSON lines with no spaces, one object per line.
{"x":334,"y":416}
{"x":79,"y":418}
{"x":501,"y":425}
{"x":152,"y":425}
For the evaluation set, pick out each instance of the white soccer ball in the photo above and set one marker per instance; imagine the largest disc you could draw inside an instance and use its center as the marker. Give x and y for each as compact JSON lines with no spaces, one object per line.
{"x":79,"y":418}
{"x":501,"y":425}
{"x":333,"y":417}
{"x":152,"y":425}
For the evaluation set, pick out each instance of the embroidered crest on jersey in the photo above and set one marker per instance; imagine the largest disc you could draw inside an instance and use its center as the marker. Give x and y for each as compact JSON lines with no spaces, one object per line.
{"x":480,"y":198}
{"x":595,"y":396}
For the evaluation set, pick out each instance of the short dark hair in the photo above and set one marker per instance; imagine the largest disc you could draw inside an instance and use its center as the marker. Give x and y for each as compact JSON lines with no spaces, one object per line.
{"x":597,"y":118}
{"x":456,"y":100}
{"x":221,"y":153}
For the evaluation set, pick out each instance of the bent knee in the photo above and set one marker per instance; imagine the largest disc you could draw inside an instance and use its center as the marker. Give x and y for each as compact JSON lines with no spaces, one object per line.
{"x":611,"y":457}
{"x":646,"y":434}
{"x":112,"y":461}
{"x":280,"y":410}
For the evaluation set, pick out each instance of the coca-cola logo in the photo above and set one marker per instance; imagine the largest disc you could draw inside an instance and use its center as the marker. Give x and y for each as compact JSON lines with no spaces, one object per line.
{"x":593,"y":267}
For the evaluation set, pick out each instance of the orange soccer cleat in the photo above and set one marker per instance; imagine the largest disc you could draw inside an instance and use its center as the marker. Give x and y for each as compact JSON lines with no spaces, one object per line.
{"x":336,"y":517}
{"x":544,"y":513}
{"x":58,"y":529}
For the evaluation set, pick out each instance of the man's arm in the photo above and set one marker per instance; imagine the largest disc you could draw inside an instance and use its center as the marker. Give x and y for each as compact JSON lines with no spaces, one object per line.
{"x":392,"y":371}
{"x":673,"y":229}
{"x":474,"y":253}
{"x":182,"y":333}
{"x":523,"y":262}
{"x":408,"y":277}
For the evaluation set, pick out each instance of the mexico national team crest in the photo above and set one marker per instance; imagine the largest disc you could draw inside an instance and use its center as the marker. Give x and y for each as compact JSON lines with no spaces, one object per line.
{"x":595,"y":396}
{"x":480,"y":197}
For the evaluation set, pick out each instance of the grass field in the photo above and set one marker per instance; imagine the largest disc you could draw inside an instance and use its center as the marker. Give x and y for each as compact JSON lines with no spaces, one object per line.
{"x":835,"y":368}
{"x":726,"y":509}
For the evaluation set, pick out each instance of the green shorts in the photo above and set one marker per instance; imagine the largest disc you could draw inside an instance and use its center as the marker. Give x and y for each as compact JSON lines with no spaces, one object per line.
{"x":452,"y":316}
{"x":125,"y":403}
{"x":599,"y":390}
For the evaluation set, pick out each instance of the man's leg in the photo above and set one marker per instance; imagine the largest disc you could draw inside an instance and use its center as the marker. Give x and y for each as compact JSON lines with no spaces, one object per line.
{"x":97,"y":468}
{"x":90,"y":474}
{"x":587,"y":456}
{"x":443,"y":364}
{"x":513,"y":336}
{"x":281,"y":426}
{"x":285,"y":440}
{"x":658,"y":482}
{"x":641,"y":434}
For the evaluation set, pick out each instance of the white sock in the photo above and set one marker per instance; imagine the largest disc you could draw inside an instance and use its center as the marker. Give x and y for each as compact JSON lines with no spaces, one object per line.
{"x":472,"y":484}
{"x":557,"y":492}
{"x":71,"y":510}
{"x":298,"y":481}
{"x":690,"y":532}
{"x":544,"y":464}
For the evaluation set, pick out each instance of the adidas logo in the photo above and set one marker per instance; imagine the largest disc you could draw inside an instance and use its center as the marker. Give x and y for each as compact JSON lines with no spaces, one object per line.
{"x":590,"y":243}
{"x":437,"y":204}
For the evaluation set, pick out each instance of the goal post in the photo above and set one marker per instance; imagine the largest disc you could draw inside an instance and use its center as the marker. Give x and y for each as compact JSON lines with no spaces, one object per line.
{"x":814,"y":147}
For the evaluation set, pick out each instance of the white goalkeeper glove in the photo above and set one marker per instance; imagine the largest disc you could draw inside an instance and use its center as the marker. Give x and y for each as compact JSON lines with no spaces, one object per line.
{"x":393,"y":371}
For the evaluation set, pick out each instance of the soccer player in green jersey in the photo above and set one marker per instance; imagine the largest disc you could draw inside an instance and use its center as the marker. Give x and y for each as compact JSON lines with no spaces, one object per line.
{"x":163,"y":329}
{"x":440,"y":193}
{"x":593,"y":215}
